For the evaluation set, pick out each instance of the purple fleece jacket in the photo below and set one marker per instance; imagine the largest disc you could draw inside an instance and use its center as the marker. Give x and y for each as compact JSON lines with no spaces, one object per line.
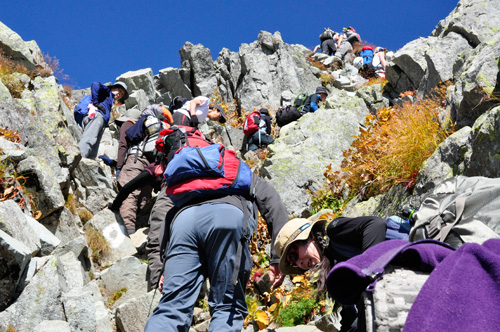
{"x":347,"y":280}
{"x":462,"y":293}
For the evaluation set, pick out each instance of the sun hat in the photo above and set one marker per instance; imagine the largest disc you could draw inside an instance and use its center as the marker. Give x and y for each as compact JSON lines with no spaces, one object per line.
{"x":222,"y":118}
{"x":297,"y":229}
{"x":321,"y":89}
{"x":121,"y":85}
{"x":132,"y":114}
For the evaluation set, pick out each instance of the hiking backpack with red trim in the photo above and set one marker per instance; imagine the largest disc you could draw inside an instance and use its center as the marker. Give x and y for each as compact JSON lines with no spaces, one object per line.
{"x":199,"y":169}
{"x":176,"y":137}
{"x":251,"y":124}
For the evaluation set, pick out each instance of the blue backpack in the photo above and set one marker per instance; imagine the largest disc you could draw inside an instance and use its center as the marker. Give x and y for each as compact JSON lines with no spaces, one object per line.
{"x":81,"y":109}
{"x":367,"y":55}
{"x":198,"y":172}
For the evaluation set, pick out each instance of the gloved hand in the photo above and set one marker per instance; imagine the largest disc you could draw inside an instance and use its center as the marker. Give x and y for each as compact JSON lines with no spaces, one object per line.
{"x":117,"y":173}
{"x":108,"y":161}
{"x":92,"y":110}
{"x":194,"y":121}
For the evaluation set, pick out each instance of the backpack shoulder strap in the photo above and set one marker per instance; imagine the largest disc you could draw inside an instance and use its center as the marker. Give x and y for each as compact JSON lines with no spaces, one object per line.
{"x":460,"y":207}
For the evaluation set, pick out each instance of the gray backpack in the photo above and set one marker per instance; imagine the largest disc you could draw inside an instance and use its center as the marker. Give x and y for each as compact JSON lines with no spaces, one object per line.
{"x":459,"y":210}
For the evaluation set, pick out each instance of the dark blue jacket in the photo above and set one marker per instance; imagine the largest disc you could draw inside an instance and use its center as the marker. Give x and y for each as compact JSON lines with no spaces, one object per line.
{"x":103,"y":99}
{"x":311,"y":103}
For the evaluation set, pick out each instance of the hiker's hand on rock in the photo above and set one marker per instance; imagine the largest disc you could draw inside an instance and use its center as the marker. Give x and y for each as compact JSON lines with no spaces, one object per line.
{"x":160,"y":284}
{"x":275,"y":275}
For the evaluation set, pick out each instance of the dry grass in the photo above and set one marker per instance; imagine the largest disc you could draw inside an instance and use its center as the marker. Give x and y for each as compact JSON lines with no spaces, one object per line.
{"x":317,"y":64}
{"x":98,"y":243}
{"x":116,"y":296}
{"x":326,"y":79}
{"x":7,"y":69}
{"x":392,"y":149}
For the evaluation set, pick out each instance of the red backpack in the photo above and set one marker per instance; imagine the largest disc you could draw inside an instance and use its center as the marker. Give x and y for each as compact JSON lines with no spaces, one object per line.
{"x":176,"y":137}
{"x":251,"y":124}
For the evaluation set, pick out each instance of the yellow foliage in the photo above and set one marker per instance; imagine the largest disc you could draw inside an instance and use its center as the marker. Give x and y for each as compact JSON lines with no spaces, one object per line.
{"x":97,"y":242}
{"x":392,"y":149}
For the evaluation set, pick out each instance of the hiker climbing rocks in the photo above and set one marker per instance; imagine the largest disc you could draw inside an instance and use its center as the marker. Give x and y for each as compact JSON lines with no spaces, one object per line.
{"x":304,"y":245}
{"x":138,"y":153}
{"x":379,"y":61}
{"x":374,"y":62}
{"x":261,"y":137}
{"x":195,"y":111}
{"x":93,"y":113}
{"x":311,"y":103}
{"x":345,"y":44}
{"x":124,"y":122}
{"x":328,"y":39}
{"x":208,"y":237}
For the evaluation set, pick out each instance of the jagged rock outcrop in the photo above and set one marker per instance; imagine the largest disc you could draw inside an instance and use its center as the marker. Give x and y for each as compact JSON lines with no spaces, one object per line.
{"x":300,"y":156}
{"x":464,"y":48}
{"x":26,"y":53}
{"x":272,"y":72}
{"x":197,"y":69}
{"x":48,"y":277}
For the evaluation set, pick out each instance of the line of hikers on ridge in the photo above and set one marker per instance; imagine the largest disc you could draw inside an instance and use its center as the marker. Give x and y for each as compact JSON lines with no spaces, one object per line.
{"x":371,"y":61}
{"x":197,"y":234}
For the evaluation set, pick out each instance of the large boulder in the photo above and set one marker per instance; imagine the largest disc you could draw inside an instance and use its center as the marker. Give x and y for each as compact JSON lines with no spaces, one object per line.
{"x":477,"y":21}
{"x":464,"y":49}
{"x":26,"y":229}
{"x":139,"y":80}
{"x":273,"y":72}
{"x":14,"y":259}
{"x":170,"y":85}
{"x":423,"y":63}
{"x":299,"y":158}
{"x":197,"y":63}
{"x":26,"y":53}
{"x":470,"y":151}
{"x":477,"y":84}
{"x":38,"y":118}
{"x":39,"y":301}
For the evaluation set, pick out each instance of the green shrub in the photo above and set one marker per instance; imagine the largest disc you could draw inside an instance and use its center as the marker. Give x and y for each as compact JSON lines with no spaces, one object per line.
{"x":298,"y":312}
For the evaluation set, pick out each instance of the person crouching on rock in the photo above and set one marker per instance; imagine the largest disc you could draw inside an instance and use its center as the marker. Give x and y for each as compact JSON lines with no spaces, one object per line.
{"x":304,"y":244}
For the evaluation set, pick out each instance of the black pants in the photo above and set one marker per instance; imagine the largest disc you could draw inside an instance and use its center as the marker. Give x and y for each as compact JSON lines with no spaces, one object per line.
{"x":328,"y":47}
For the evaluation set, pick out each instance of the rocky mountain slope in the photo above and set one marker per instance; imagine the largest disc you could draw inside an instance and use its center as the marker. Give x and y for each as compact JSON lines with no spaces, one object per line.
{"x":48,"y":278}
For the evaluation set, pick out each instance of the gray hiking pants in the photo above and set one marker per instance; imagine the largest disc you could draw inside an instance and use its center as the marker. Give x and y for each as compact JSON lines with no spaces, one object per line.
{"x":138,"y":198}
{"x":156,"y":219}
{"x":204,"y":241}
{"x":92,"y":134}
{"x":343,"y":49}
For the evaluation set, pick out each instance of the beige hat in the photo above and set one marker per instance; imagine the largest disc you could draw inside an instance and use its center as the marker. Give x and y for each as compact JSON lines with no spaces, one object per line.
{"x":132,"y":114}
{"x":294,"y":230}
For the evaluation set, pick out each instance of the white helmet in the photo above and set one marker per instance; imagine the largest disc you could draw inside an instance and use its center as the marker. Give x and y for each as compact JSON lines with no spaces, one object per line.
{"x":358,"y":62}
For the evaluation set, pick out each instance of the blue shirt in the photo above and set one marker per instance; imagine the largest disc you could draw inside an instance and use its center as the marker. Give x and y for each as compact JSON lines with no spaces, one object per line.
{"x":102,"y":95}
{"x":314,"y":105}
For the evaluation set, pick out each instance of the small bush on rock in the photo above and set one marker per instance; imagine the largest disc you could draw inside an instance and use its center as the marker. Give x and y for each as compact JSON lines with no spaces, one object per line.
{"x":391,"y":148}
{"x":97,"y":242}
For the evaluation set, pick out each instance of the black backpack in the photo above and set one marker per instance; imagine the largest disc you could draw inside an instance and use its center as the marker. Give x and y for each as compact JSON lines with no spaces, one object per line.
{"x":327,"y":34}
{"x":287,"y":114}
{"x":177,"y":103}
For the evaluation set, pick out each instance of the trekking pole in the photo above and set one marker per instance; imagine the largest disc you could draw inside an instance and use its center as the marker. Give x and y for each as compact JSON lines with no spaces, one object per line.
{"x":152,"y":299}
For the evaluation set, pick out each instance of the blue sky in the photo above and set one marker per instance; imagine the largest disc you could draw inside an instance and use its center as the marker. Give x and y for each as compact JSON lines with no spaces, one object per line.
{"x":100,"y":40}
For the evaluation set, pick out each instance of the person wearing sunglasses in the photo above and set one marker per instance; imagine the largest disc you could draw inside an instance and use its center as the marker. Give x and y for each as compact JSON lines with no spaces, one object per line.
{"x":304,"y":244}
